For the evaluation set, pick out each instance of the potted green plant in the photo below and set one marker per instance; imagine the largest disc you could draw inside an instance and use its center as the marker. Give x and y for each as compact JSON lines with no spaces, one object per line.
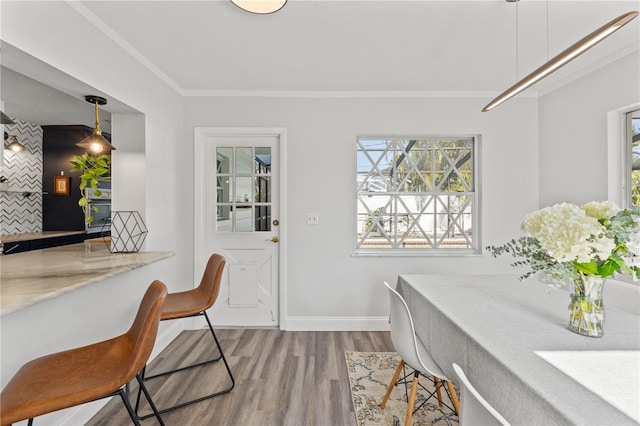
{"x":94,"y":169}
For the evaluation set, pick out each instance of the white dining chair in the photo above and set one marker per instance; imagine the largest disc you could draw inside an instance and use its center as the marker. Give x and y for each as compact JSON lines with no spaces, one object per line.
{"x":413,"y":353}
{"x":474,"y":409}
{"x":622,"y":295}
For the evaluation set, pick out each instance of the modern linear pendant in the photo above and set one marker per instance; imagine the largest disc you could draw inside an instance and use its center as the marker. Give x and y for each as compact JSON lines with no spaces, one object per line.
{"x":563,"y":58}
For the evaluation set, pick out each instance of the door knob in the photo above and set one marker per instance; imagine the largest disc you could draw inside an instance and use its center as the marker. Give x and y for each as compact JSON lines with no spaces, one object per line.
{"x":275,"y":239}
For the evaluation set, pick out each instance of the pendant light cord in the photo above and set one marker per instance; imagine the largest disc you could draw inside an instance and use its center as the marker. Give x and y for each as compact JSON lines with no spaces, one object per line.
{"x":517,"y":43}
{"x":547,"y":4}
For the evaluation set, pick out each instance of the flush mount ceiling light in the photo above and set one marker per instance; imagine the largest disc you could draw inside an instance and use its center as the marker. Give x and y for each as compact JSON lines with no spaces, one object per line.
{"x":563,"y":58}
{"x":261,"y":7}
{"x":96,"y":143}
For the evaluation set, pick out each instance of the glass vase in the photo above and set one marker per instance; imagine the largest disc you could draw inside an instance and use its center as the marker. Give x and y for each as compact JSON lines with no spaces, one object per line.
{"x":586,"y":308}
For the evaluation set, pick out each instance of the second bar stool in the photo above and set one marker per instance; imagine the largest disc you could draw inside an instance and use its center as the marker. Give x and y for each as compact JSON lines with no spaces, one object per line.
{"x":192,"y":303}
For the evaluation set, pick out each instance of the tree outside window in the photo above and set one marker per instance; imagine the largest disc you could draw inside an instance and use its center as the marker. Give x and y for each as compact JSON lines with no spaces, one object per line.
{"x":417,"y":195}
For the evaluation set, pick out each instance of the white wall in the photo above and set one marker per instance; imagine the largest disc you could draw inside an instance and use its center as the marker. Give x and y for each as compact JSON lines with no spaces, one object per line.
{"x":129,"y":165}
{"x":57,"y":34}
{"x":573,"y":131}
{"x":324,"y":278}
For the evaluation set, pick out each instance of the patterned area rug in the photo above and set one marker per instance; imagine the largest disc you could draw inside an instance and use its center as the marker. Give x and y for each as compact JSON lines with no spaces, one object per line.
{"x":369,"y":376}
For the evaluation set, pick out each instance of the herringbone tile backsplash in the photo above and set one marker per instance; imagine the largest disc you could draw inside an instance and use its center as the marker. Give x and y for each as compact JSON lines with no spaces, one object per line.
{"x":20,"y":213}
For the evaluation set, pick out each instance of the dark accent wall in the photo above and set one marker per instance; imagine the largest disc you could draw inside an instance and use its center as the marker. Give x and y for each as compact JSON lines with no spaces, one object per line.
{"x":61,"y":212}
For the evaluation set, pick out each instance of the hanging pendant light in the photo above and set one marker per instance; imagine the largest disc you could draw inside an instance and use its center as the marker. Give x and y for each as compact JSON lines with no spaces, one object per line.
{"x":15,"y":145}
{"x":261,"y":7}
{"x":563,"y":58}
{"x":96,"y":143}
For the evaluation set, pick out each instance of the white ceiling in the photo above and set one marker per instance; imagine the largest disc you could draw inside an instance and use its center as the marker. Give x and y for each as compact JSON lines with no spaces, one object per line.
{"x":201,"y":47}
{"x":209,"y":47}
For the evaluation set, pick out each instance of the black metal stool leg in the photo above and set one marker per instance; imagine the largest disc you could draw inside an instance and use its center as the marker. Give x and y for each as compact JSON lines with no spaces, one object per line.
{"x":139,"y":390}
{"x":213,"y":333}
{"x":127,"y":404}
{"x":146,"y":394}
{"x":164,"y":373}
{"x":221,"y":356}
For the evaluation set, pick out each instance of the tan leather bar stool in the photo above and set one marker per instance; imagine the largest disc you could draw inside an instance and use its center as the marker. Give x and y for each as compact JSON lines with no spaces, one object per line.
{"x":194,"y":303}
{"x":85,"y":374}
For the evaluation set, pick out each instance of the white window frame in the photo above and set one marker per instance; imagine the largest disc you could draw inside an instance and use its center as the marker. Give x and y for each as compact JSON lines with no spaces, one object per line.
{"x":628,"y":159}
{"x":618,"y":156}
{"x":476,"y":241}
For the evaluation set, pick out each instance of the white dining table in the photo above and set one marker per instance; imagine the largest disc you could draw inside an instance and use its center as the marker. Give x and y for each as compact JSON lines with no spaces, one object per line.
{"x":511,"y":339}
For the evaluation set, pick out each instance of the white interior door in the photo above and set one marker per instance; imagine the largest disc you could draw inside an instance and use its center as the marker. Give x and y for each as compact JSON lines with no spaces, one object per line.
{"x":239,"y":219}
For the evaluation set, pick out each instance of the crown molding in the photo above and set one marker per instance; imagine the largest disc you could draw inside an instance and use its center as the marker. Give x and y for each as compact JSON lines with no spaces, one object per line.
{"x":345,"y":94}
{"x":124,"y":44}
{"x":618,"y":54}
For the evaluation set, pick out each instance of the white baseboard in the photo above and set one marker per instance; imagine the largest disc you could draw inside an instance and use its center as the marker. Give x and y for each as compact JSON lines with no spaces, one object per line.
{"x":316,"y":324}
{"x":337,"y":323}
{"x":83,"y":413}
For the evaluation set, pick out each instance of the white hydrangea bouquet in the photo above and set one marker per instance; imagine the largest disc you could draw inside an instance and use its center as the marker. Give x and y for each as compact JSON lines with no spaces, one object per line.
{"x":583,"y":244}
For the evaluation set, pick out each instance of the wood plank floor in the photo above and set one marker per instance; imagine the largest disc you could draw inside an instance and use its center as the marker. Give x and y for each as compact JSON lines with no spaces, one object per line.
{"x":282,"y":378}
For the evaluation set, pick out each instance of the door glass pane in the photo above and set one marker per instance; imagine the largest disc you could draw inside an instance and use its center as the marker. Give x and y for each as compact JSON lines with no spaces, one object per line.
{"x":244,"y":190}
{"x":223,"y":159}
{"x":243,"y":219}
{"x":244,"y":160}
{"x":263,"y":218}
{"x":223,"y":223}
{"x":263,"y":189}
{"x":263,"y":160}
{"x":223,"y":188}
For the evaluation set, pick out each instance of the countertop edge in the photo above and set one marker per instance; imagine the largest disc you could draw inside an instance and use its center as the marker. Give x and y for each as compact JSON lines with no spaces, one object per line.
{"x":160,"y":255}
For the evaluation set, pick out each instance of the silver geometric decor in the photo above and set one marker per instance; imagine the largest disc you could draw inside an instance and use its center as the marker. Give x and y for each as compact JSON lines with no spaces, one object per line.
{"x":128,"y":232}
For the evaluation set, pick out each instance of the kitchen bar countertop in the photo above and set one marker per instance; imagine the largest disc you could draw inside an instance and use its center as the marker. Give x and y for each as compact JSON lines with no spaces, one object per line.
{"x":34,"y":276}
{"x":24,"y":236}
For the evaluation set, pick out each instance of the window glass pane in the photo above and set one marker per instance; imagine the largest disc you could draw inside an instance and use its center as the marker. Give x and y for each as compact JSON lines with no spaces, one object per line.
{"x":454,"y":221}
{"x":263,"y":160}
{"x":634,"y":128}
{"x":374,"y":220}
{"x":244,"y":160}
{"x":263,"y":189}
{"x":243,"y":189}
{"x":243,"y":219}
{"x":415,"y":193}
{"x":263,"y":218}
